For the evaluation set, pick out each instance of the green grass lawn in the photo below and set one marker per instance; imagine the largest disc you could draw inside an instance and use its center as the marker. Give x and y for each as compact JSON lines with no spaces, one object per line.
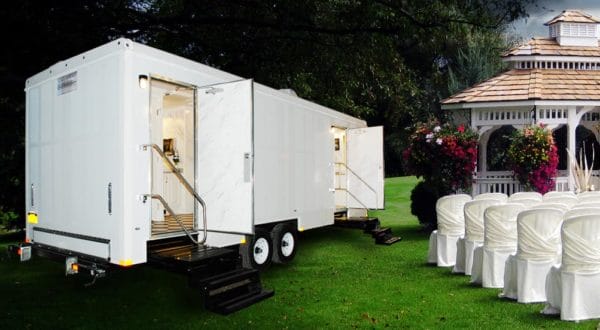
{"x":339,"y":279}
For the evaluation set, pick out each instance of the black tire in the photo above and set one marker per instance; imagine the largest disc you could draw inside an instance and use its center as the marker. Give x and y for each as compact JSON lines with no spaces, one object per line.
{"x":258,"y":252}
{"x":285,"y":243}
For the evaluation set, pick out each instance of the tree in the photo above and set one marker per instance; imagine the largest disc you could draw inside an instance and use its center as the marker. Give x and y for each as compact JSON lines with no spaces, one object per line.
{"x":383,"y":60}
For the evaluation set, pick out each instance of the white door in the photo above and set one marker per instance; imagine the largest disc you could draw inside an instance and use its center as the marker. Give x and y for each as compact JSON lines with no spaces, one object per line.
{"x":365,"y":167}
{"x":224,"y":153}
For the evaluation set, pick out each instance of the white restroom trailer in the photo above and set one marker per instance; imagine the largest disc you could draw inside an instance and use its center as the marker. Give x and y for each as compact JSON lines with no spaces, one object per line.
{"x":265,"y":162}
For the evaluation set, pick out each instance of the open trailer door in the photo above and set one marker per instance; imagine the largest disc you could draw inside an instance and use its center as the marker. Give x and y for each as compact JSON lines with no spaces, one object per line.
{"x":365,"y":167}
{"x":224,"y":151}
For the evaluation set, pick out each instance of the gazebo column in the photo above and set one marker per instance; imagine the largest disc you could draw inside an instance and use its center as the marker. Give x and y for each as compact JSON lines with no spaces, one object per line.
{"x":572,"y":123}
{"x":484,"y":137}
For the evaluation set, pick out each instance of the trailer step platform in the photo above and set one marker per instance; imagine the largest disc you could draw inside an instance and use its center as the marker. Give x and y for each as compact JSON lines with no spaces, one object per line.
{"x":217,"y":272}
{"x":369,"y":225}
{"x":231,"y":291}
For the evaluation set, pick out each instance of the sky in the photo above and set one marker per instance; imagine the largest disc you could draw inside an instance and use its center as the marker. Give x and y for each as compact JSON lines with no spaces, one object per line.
{"x":545,"y":10}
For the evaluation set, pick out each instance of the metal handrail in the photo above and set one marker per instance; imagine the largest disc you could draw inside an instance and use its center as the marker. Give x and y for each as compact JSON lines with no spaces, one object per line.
{"x":363,"y":181}
{"x":166,"y":206}
{"x":185,"y":184}
{"x":353,"y":196}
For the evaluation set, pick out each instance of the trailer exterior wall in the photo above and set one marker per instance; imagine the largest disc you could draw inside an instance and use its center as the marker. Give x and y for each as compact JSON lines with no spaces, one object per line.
{"x":74,"y":134}
{"x":294,"y":160}
{"x":79,"y":142}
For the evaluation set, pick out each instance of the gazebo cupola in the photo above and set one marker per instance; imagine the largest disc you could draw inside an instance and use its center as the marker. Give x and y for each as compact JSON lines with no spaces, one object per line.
{"x":574,"y":28}
{"x":554,"y":80}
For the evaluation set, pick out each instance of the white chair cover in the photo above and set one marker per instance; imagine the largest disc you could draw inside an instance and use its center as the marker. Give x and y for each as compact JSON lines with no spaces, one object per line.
{"x":497,"y":196}
{"x":570,"y":201}
{"x":557,"y":206}
{"x":589,"y":197}
{"x":432,"y":250}
{"x":474,"y":228}
{"x":526,"y":202}
{"x":451,"y":227}
{"x":586,"y":204}
{"x":500,"y":241}
{"x":589,"y":193}
{"x":574,"y":288}
{"x":577,"y":212}
{"x":538,"y":249}
{"x":525,"y":195}
{"x":552,"y":194}
{"x":459,"y":266}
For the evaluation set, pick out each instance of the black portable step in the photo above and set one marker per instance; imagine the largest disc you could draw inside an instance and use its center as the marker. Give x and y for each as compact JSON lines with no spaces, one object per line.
{"x":381,"y":232}
{"x":231,"y":291}
{"x":364,"y":223}
{"x":371,"y":226}
{"x":240,"y":302}
{"x":388,"y":240}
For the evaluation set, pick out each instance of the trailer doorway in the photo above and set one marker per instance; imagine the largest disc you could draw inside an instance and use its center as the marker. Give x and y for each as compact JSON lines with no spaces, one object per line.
{"x":172,"y":128}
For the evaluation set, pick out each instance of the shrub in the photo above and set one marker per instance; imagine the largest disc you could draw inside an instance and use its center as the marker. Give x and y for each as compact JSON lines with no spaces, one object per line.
{"x":533,"y":157}
{"x":423,"y":198}
{"x":9,"y":220}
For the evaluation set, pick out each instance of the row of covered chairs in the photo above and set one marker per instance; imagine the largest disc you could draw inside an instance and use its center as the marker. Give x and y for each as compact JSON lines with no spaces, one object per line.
{"x":514,"y":243}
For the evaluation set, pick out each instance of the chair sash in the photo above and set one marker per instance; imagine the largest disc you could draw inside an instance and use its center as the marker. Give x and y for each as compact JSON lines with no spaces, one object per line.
{"x":538,"y":233}
{"x":500,"y":225}
{"x":474,"y":211}
{"x":450,"y":214}
{"x":581,"y":244}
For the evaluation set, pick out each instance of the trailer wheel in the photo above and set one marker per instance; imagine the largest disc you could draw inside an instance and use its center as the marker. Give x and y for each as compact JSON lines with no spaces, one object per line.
{"x":257,"y":253}
{"x":285,"y":240}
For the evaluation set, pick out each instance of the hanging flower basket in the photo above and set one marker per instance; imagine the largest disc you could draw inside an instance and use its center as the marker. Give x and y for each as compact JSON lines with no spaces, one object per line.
{"x":444,"y":155}
{"x":533,"y":157}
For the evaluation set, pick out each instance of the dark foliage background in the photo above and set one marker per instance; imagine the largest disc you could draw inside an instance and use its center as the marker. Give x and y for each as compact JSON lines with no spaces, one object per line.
{"x":385,"y":61}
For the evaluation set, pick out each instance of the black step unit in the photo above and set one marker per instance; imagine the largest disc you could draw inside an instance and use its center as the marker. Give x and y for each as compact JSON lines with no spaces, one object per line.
{"x":369,"y":226}
{"x":216,"y":272}
{"x":231,"y":291}
{"x":366,"y":224}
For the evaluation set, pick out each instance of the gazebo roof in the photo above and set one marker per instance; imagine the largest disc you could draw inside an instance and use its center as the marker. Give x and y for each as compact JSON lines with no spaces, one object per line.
{"x":533,"y":84}
{"x":550,"y":47}
{"x":573,"y":16}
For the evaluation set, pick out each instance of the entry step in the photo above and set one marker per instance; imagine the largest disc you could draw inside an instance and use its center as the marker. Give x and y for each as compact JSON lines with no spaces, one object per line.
{"x":231,"y":291}
{"x":369,"y":225}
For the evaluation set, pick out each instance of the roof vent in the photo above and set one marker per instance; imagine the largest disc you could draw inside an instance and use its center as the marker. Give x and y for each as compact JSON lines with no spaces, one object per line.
{"x":574,"y":28}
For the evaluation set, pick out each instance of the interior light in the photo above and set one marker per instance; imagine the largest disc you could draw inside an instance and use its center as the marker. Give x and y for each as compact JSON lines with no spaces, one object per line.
{"x":143,"y":80}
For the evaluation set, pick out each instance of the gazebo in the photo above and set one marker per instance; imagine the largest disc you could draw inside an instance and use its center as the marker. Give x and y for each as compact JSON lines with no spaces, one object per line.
{"x":553,"y":80}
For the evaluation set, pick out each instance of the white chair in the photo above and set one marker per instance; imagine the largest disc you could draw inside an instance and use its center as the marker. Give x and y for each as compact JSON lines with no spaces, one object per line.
{"x":503,"y":198}
{"x":589,"y":197}
{"x":558,"y":206}
{"x":499,"y":242}
{"x":577,"y":212}
{"x":527,"y":202}
{"x":574,"y":288}
{"x":474,"y":228}
{"x":538,"y":249}
{"x":451,"y":227}
{"x":586,"y":205}
{"x":552,"y":194}
{"x":525,"y":195}
{"x":570,"y":201}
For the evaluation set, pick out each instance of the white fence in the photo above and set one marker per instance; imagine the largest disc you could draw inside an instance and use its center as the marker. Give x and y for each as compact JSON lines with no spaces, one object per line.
{"x":504,"y":182}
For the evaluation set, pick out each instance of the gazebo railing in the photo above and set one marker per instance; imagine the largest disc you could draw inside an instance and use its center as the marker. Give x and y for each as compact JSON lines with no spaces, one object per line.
{"x":503,"y":181}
